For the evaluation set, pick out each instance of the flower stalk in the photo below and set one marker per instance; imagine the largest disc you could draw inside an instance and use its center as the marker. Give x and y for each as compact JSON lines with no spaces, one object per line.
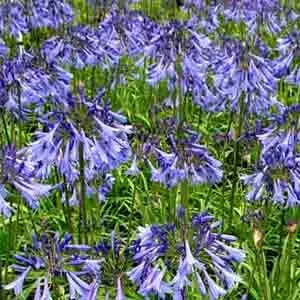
{"x":82,"y":201}
{"x":236,"y":156}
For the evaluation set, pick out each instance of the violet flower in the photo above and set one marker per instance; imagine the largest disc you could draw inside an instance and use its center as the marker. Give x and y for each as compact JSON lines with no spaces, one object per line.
{"x":87,"y":123}
{"x":187,"y":160}
{"x":17,"y":172}
{"x":239,"y":73}
{"x":289,"y":48}
{"x":50,"y":13}
{"x":13,"y":19}
{"x":82,"y":46}
{"x":278,"y":175}
{"x":206,"y":253}
{"x":49,"y":257}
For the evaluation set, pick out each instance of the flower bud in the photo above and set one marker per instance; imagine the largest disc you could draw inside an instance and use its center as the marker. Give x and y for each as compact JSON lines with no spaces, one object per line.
{"x":257,"y":237}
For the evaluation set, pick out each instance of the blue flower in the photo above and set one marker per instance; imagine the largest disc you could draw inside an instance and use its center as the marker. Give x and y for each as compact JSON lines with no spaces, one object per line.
{"x":239,"y":73}
{"x":104,"y":138}
{"x":50,"y":13}
{"x":133,"y":170}
{"x":82,"y":46}
{"x":278,"y":174}
{"x":289,"y":51}
{"x":77,"y":285}
{"x":158,"y":249}
{"x":17,"y":284}
{"x":13,"y":19}
{"x":154,"y":284}
{"x":187,"y":161}
{"x":106,"y":187}
{"x":17,"y":172}
{"x":45,"y":295}
{"x":52,"y":256}
{"x":252,"y":13}
{"x":168,"y":46}
{"x":215,"y":291}
{"x":5,"y":208}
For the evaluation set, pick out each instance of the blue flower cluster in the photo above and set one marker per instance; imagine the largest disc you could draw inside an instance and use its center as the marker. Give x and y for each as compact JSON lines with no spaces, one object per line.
{"x":279,"y":168}
{"x":19,"y":17}
{"x":168,"y":260}
{"x":20,"y":174}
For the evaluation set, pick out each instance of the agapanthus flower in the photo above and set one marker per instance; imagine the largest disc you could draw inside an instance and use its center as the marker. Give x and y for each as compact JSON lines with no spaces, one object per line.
{"x":12,"y":81}
{"x":50,"y":13}
{"x":203,"y":256}
{"x":195,"y":4}
{"x":106,"y":263}
{"x":255,"y":14}
{"x":187,"y":160}
{"x":51,"y":257}
{"x":110,"y":4}
{"x":208,"y":13}
{"x":120,"y":294}
{"x":286,"y":64}
{"x":133,"y":170}
{"x":82,"y":46}
{"x":278,"y":173}
{"x":24,"y":83}
{"x":129,"y":31}
{"x":18,"y":173}
{"x":168,"y":47}
{"x":106,"y":187}
{"x":197,"y":69}
{"x":102,"y":4}
{"x":240,"y":72}
{"x":47,"y":84}
{"x":86,"y":124}
{"x":13,"y":19}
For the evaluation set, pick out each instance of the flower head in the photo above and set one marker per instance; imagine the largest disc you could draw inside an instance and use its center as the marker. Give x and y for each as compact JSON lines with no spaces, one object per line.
{"x":50,"y":257}
{"x":18,"y":173}
{"x":187,"y":160}
{"x":207,"y":252}
{"x":86,"y":123}
{"x":279,"y":169}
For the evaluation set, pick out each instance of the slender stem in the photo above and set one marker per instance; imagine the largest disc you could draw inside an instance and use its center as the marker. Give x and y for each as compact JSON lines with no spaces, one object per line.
{"x":171,"y":196}
{"x":1,"y":290}
{"x":16,"y":229}
{"x":5,"y":127}
{"x":67,"y":208}
{"x":259,"y":270}
{"x":83,"y":214}
{"x":223,"y":160}
{"x":87,"y":11}
{"x":289,"y":257}
{"x":236,"y":155}
{"x":131,"y":216}
{"x":185,"y":199}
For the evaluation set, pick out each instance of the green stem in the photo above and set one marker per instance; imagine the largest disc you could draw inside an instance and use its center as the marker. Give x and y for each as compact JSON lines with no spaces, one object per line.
{"x":82,"y":214}
{"x":236,"y":155}
{"x":262,"y":274}
{"x":184,"y":189}
{"x":1,"y":290}
{"x":68,"y":208}
{"x":288,"y":263}
{"x":131,"y":216}
{"x":5,"y":127}
{"x":223,"y":161}
{"x":16,"y":229}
